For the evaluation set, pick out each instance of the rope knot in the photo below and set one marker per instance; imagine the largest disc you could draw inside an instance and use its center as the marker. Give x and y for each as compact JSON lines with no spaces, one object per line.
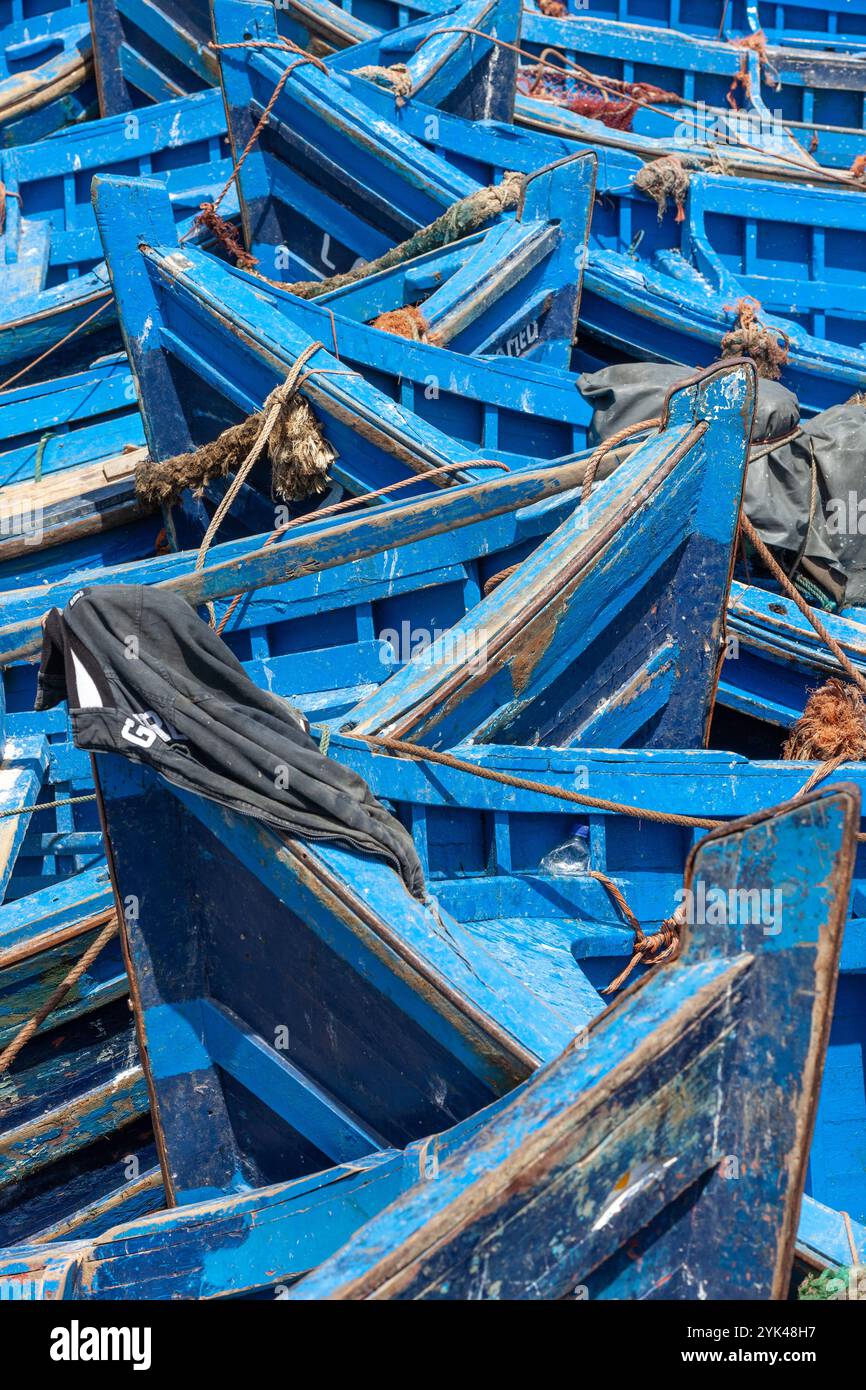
{"x":226,"y":234}
{"x":653,"y":949}
{"x":396,"y":79}
{"x":299,"y":454}
{"x":750,"y":337}
{"x":662,"y":179}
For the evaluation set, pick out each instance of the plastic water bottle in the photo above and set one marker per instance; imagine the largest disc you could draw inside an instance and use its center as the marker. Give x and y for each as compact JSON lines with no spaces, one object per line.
{"x":571,"y":857}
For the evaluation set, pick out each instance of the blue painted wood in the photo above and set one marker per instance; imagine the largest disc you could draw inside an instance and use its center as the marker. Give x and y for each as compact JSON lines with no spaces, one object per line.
{"x":539,"y":661}
{"x":422,"y":583}
{"x":421,"y":1023}
{"x":406,"y":370}
{"x":85,"y":417}
{"x":677,"y":1183}
{"x":50,"y":246}
{"x":773,"y":112}
{"x":646,"y":290}
{"x":776,"y":658}
{"x":478,"y":406}
{"x":666,"y":300}
{"x":314,"y":202}
{"x":69,"y":448}
{"x":311,"y":22}
{"x":183,"y":308}
{"x":147,"y":51}
{"x":826,"y":25}
{"x":87,"y":1204}
{"x":586,"y":1168}
{"x":481,"y":406}
{"x":482,"y":843}
{"x":822,"y":24}
{"x":74,"y":1104}
{"x":23,"y":765}
{"x":46,"y":68}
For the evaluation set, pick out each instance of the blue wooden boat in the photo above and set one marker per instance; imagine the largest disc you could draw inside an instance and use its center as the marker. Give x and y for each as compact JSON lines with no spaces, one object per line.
{"x":661,"y":290}
{"x":85,"y":417}
{"x":826,"y":25}
{"x":525,"y":1208}
{"x":46,"y":68}
{"x":376,"y":598}
{"x":704,"y":99}
{"x":67,"y":466}
{"x":69,"y":1080}
{"x":660,"y":304}
{"x":54,"y":274}
{"x":270,"y":1100}
{"x":822,"y":24}
{"x":688,"y":477}
{"x":778,"y":657}
{"x":669,"y":92}
{"x":60,"y":285}
{"x":149,"y":51}
{"x":466,"y":830}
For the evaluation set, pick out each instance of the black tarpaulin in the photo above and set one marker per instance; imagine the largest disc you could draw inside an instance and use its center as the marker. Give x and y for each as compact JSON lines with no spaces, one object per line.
{"x":629,"y":392}
{"x":801,"y":496}
{"x":145,"y":677}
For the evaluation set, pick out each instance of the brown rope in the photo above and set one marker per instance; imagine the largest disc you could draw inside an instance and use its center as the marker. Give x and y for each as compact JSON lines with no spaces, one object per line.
{"x":209,"y":210}
{"x":649,"y":950}
{"x":24,"y":1034}
{"x":499,"y":578}
{"x":750,"y":337}
{"x":797,"y":599}
{"x":353,"y":502}
{"x":654,"y":949}
{"x":226,"y":233}
{"x":663,"y":179}
{"x":594,"y":461}
{"x":421,"y":754}
{"x":10,"y":380}
{"x":48,"y":805}
{"x":606,"y":85}
{"x":825,"y":769}
{"x":275,"y":404}
{"x":618,"y":896}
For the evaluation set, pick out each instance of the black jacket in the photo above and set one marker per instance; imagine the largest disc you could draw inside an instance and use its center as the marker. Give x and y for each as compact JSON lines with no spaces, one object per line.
{"x":144,"y":676}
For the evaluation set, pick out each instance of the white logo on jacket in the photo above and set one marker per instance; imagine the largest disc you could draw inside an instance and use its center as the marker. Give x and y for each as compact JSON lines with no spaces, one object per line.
{"x":145,"y":728}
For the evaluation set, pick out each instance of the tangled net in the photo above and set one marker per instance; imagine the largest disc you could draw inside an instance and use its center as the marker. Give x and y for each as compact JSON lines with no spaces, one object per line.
{"x":407,"y":322}
{"x":609,"y":99}
{"x":833,"y":725}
